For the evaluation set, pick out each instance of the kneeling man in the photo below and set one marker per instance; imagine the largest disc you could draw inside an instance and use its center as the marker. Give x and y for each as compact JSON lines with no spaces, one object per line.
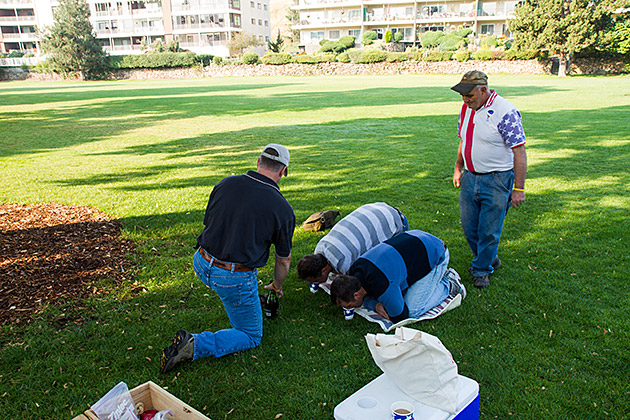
{"x":401,"y":278}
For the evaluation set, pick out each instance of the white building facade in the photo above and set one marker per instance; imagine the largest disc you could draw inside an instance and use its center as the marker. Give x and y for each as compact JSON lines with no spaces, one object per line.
{"x":128,"y":26}
{"x":332,"y":19}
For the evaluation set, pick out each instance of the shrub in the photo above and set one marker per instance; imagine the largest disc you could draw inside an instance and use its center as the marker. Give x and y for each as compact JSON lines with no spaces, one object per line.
{"x":322,"y":42}
{"x":369,"y":37}
{"x":462,"y":56}
{"x":497,"y":55}
{"x":276,"y":58}
{"x":354,"y":55}
{"x":388,"y":36}
{"x":437,"y":56}
{"x":431,"y":38}
{"x":372,"y":56}
{"x":488,"y":41}
{"x":15,"y":54}
{"x":326,"y":58}
{"x":483,"y":54}
{"x":343,"y":57}
{"x":347,"y":41}
{"x":333,"y":46}
{"x":398,"y":36}
{"x":450,"y":42}
{"x":152,"y":60}
{"x":305,"y":59}
{"x":217,"y":60}
{"x":396,"y":57}
{"x":515,"y":54}
{"x":250,"y":58}
{"x":463,"y":32}
{"x":204,"y":59}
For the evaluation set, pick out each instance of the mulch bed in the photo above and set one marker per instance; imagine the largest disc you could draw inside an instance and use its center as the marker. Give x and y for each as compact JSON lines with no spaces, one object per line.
{"x":52,"y":254}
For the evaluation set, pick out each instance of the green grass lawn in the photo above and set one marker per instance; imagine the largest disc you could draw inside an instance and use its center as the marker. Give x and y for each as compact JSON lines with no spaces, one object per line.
{"x":550,"y":339}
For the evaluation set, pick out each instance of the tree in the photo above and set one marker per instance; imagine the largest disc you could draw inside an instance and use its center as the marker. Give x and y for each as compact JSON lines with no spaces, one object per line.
{"x":241,"y":41}
{"x":564,"y":27}
{"x":71,"y":42}
{"x":277,"y":45}
{"x":618,"y":39}
{"x":293,"y":16}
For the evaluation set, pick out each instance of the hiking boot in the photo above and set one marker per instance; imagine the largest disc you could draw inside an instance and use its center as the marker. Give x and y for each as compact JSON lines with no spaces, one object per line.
{"x":496,"y":264}
{"x":481,"y":282}
{"x":183,"y":348}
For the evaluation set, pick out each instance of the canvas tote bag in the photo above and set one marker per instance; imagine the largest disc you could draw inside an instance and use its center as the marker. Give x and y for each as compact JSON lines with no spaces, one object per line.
{"x":419,"y":364}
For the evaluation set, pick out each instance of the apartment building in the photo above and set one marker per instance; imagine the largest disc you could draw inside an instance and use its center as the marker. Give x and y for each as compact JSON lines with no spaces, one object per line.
{"x":19,"y":20}
{"x":332,"y":19}
{"x":128,"y":26}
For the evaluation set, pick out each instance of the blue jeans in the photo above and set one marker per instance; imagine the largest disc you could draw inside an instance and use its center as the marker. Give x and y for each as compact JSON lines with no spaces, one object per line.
{"x":483,"y":203}
{"x":239,"y":293}
{"x":429,"y":291}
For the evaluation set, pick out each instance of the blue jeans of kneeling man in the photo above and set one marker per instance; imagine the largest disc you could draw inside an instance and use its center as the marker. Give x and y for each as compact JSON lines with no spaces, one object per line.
{"x":429,"y":291}
{"x":483,"y":203}
{"x":239,"y":293}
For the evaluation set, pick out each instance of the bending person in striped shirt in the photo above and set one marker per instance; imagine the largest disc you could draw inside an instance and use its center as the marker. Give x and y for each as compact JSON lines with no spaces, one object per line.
{"x":403,"y":277}
{"x":352,"y":236}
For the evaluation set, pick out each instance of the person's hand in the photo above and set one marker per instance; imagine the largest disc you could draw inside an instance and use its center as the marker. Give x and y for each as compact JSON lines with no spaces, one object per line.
{"x":457,"y":176}
{"x":518,"y":197}
{"x":380,"y":309}
{"x":270,"y":286}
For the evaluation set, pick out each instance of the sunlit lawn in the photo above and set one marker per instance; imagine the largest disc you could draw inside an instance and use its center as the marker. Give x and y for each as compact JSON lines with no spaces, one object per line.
{"x":548,"y":340}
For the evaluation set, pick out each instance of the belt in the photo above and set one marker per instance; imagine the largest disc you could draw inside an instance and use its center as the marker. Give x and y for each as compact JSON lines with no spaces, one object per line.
{"x":222,"y":264}
{"x":487,"y":173}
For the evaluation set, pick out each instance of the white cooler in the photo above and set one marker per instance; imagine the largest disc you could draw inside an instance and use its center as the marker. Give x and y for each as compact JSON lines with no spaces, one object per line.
{"x":373,"y":402}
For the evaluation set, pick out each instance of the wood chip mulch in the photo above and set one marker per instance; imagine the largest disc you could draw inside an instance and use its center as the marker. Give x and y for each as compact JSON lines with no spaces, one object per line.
{"x":52,"y":254}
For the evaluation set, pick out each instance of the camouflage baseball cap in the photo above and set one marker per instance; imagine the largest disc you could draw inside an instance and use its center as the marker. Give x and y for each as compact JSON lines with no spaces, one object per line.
{"x":470,"y":80}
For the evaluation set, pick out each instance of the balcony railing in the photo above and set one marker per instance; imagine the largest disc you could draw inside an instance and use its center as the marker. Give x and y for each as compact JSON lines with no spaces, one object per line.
{"x":29,"y":37}
{"x":207,"y":25}
{"x":21,"y":3}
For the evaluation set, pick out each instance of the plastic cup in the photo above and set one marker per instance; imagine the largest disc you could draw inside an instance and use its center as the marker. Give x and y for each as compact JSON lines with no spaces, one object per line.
{"x":402,"y":410}
{"x":348,"y":313}
{"x":314,"y":287}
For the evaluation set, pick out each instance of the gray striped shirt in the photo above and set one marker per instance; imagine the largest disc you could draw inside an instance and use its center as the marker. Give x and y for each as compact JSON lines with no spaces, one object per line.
{"x":361,"y":230}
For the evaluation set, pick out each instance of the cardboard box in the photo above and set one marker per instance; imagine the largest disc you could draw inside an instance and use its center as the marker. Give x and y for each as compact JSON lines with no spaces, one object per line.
{"x":374,"y":401}
{"x":156,"y":398}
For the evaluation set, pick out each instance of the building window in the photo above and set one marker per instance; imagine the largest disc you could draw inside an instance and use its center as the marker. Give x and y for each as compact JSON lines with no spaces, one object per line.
{"x":317,"y":36}
{"x":266,"y":39}
{"x":266,"y":23}
{"x":259,"y":6}
{"x":252,"y":4}
{"x":333,"y":34}
{"x":487,"y":30}
{"x":356,"y":33}
{"x":265,"y":7}
{"x":259,"y":22}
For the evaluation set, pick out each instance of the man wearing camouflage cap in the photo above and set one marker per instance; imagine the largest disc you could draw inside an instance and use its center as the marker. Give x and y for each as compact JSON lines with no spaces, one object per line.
{"x":491,"y":168}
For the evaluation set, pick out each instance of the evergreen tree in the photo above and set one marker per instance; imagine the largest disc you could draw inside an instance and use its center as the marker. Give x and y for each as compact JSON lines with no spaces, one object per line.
{"x":563,"y":27}
{"x":71,"y":42}
{"x":277,"y":45}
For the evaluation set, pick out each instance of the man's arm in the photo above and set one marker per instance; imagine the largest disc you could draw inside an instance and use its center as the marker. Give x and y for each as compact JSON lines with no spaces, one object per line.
{"x":280,"y":271}
{"x":520,"y":173}
{"x":459,"y":166}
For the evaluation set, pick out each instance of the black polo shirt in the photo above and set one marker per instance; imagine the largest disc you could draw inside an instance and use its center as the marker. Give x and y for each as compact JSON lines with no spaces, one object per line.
{"x":245,"y":215}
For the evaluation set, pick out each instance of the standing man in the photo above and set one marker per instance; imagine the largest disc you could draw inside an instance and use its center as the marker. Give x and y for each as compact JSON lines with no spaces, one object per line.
{"x":491,"y":168}
{"x":245,"y":215}
{"x":365,"y":227}
{"x":401,"y":278}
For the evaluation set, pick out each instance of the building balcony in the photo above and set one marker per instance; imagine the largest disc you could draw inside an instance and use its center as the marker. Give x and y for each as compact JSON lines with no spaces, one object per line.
{"x":32,"y":37}
{"x":16,"y":3}
{"x":197,"y":26}
{"x":323,"y":4}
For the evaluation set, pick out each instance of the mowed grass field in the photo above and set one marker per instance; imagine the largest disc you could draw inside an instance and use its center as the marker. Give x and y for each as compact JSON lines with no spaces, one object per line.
{"x":550,"y":338}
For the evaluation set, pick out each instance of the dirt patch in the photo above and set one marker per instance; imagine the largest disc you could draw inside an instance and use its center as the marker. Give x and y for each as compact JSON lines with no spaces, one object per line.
{"x":51,"y":254}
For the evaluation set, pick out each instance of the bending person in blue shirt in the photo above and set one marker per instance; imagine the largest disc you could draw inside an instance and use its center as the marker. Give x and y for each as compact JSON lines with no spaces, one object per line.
{"x":401,"y":278}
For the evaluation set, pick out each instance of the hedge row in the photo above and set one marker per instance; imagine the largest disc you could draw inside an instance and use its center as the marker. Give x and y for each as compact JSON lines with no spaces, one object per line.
{"x":158,"y":60}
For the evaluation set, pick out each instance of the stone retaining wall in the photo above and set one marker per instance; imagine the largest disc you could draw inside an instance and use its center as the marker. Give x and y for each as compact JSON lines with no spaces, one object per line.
{"x":330,"y":69}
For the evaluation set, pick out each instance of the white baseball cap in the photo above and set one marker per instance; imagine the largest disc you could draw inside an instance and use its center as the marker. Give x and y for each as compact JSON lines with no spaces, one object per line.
{"x":283,"y":154}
